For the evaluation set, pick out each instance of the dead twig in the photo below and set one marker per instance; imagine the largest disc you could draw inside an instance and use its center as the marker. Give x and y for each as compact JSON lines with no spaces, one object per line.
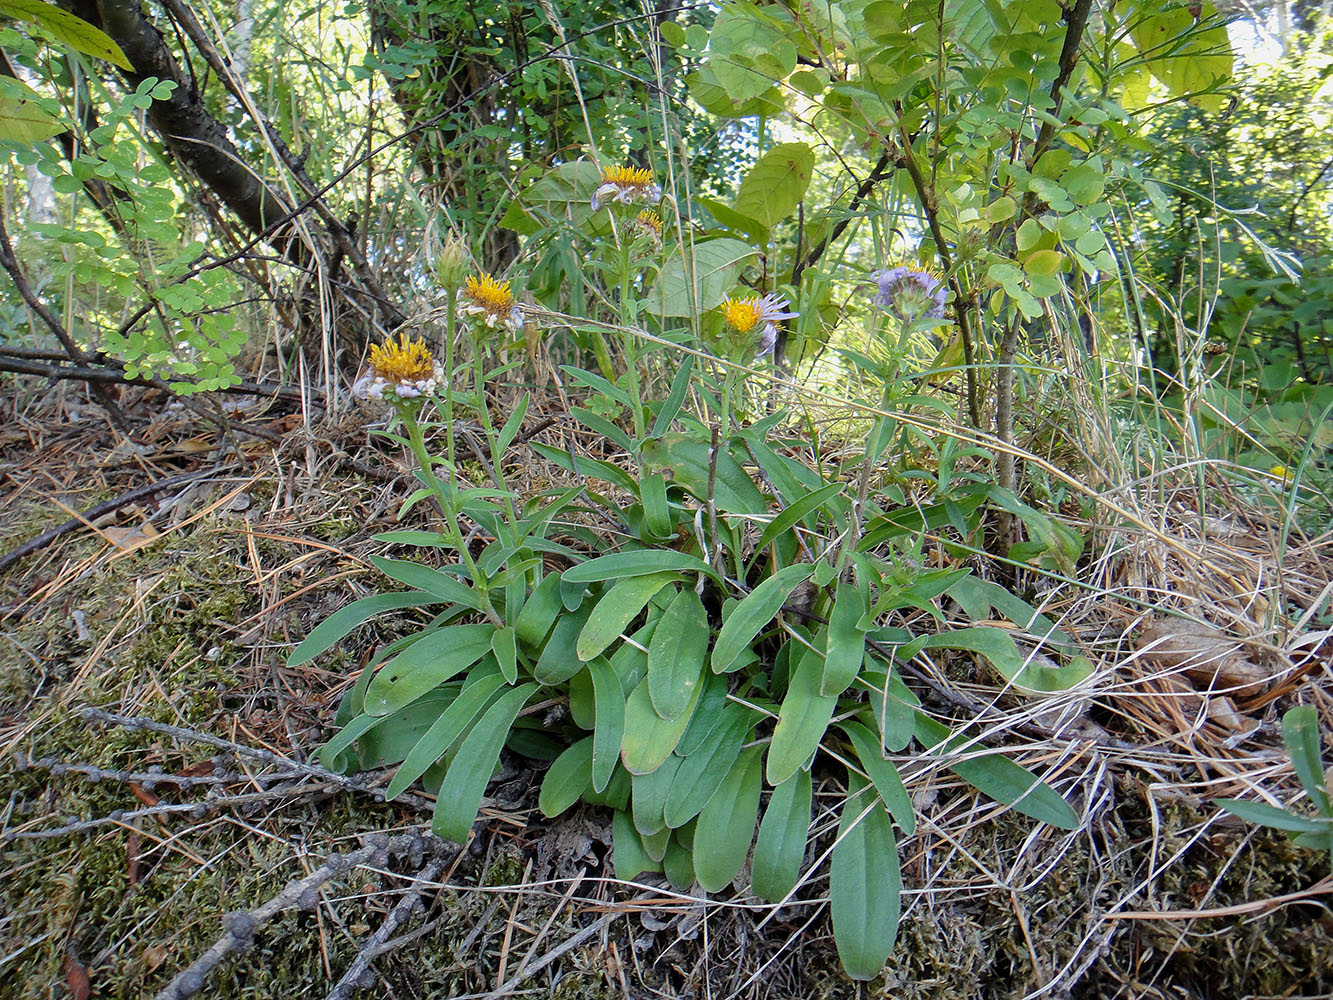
{"x":102,"y":509}
{"x":241,"y":926}
{"x":360,"y":974}
{"x":255,"y":753}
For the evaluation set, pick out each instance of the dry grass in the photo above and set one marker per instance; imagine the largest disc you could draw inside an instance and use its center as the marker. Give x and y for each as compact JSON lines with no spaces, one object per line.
{"x":180,"y":609}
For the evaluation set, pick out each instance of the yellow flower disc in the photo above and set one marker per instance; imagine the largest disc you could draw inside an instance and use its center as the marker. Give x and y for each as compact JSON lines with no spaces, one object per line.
{"x":402,"y":361}
{"x":493,"y":296}
{"x":741,"y":314}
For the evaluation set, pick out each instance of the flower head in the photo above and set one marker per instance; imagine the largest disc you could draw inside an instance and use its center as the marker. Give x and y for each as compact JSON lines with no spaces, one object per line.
{"x":745,"y":315}
{"x":911,"y":291}
{"x":626,"y":185}
{"x":399,"y":369}
{"x":648,"y":223}
{"x":491,"y":300}
{"x":450,"y":260}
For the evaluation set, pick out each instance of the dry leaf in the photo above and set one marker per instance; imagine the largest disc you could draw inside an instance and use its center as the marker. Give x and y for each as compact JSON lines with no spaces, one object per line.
{"x":76,"y":977}
{"x":153,"y":956}
{"x":1209,"y":657}
{"x":129,"y":539}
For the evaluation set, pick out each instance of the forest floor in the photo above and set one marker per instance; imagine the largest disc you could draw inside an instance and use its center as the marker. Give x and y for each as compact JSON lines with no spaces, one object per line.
{"x":155,"y":775}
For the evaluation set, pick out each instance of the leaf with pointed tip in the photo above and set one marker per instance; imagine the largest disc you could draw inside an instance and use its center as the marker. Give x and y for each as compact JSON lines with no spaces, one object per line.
{"x":427,"y":663}
{"x":780,"y":846}
{"x":566,"y":779}
{"x":703,"y":770}
{"x":465,"y":782}
{"x":882,"y":774}
{"x":802,"y":720}
{"x":999,"y":777}
{"x":725,"y":828}
{"x":846,"y":640}
{"x":339,"y":625}
{"x":754,"y":613}
{"x":609,"y":722}
{"x":649,"y":739}
{"x":617,"y":608}
{"x":452,"y":723}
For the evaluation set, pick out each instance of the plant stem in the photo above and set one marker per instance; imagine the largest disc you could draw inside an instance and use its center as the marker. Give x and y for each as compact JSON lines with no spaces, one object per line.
{"x":416,"y":441}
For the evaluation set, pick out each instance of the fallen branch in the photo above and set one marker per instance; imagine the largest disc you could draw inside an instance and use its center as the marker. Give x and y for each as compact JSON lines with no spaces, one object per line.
{"x":241,"y":926}
{"x":360,"y":975}
{"x":361,"y":784}
{"x":195,"y":810}
{"x":101,"y":510}
{"x":100,"y":368}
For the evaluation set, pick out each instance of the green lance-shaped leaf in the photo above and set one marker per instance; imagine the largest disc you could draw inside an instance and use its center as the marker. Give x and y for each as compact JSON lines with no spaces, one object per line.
{"x":618,"y":607}
{"x":426,"y":664}
{"x":798,"y":511}
{"x":649,"y":797}
{"x":465,"y":782}
{"x":539,"y":612}
{"x":656,"y":507}
{"x":865,"y":885}
{"x":432,"y":581}
{"x":328,"y":754}
{"x":707,"y":714}
{"x":802,"y":720}
{"x":892,"y":702}
{"x":559,"y":659}
{"x":780,"y":845}
{"x":997,"y":647}
{"x":504,"y":644}
{"x":677,"y":653}
{"x":445,"y":731}
{"x":1279,"y":819}
{"x":390,"y":742}
{"x":609,"y":724}
{"x":629,"y":859}
{"x":846,"y":640}
{"x":883,"y":775}
{"x":568,"y":777}
{"x":649,"y":739}
{"x":699,"y":280}
{"x":340,"y":624}
{"x":754,"y":613}
{"x":67,"y":29}
{"x":702,"y":771}
{"x":776,"y":184}
{"x":999,"y":777}
{"x":726,"y":826}
{"x":1300,"y":731}
{"x":637,"y":562}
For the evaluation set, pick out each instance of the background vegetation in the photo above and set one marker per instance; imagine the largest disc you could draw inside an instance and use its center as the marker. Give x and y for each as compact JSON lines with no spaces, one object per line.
{"x":871,"y":486}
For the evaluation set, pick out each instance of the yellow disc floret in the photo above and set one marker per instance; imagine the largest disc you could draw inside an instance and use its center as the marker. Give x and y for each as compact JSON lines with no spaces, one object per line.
{"x":741,"y":314}
{"x":402,"y":361}
{"x":627,"y":177}
{"x":492,"y":295}
{"x":651,"y":220}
